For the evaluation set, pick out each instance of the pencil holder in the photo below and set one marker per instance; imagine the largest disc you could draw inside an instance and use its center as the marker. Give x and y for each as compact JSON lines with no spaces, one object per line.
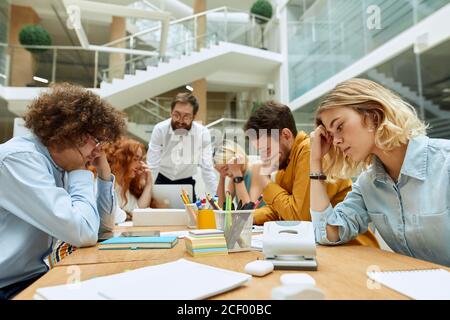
{"x":206,"y":219}
{"x":192,"y":214}
{"x":237,"y":227}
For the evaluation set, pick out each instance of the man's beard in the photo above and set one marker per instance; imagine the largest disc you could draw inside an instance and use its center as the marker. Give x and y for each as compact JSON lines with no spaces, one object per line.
{"x":180,"y":125}
{"x":283,"y":164}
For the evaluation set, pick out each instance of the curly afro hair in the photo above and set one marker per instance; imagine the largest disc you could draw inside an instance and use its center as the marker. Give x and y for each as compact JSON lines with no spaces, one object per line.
{"x":67,"y":114}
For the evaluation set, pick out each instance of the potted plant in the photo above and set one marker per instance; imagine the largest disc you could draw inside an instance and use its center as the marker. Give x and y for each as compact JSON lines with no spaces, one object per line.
{"x":34,"y":35}
{"x":262,"y":8}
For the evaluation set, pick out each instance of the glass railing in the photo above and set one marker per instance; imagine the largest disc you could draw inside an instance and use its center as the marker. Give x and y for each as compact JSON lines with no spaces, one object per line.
{"x":90,"y":66}
{"x":3,"y":66}
{"x":78,"y":65}
{"x":333,"y":34}
{"x":228,"y":24}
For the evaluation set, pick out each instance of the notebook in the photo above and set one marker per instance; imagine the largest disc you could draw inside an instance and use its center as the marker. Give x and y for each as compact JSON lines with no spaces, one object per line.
{"x":433,"y":284}
{"x":138,"y":243}
{"x":181,"y":279}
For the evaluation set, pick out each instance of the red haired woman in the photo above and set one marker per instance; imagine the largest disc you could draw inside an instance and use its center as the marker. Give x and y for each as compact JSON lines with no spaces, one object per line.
{"x":133,"y":186}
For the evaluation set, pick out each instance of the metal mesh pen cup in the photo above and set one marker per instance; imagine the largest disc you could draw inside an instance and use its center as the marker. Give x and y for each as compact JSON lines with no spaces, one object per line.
{"x":237,"y":228}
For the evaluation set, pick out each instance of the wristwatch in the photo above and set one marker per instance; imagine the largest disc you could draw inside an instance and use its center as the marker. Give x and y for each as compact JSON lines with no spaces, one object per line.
{"x":317,"y":176}
{"x":238,"y":179}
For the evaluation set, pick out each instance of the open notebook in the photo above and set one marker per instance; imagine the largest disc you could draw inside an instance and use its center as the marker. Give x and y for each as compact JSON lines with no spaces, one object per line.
{"x":431,"y":284}
{"x":181,"y":279}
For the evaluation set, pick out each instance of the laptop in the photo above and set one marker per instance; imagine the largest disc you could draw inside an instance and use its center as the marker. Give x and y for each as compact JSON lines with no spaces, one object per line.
{"x":170,"y":194}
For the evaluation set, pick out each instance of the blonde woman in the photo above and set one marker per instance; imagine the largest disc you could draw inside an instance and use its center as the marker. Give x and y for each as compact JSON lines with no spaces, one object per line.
{"x":403,"y":187}
{"x":231,"y":161}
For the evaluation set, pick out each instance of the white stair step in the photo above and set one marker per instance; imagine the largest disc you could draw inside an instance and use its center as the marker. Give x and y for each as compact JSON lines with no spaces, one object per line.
{"x":141,"y":72}
{"x":129,"y":76}
{"x":105,"y":85}
{"x":117,"y":81}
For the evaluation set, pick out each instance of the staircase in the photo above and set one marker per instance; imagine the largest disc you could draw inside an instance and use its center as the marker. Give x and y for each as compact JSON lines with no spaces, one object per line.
{"x":439,"y":128}
{"x":132,"y":89}
{"x":141,"y":132}
{"x":230,"y":52}
{"x":407,"y":93}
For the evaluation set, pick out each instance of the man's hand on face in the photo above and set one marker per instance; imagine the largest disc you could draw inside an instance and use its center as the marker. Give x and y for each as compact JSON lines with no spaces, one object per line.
{"x":100,"y":162}
{"x":68,"y":159}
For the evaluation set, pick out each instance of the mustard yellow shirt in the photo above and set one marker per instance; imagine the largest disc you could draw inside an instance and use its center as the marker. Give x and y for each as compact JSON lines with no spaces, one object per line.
{"x":288,"y":197}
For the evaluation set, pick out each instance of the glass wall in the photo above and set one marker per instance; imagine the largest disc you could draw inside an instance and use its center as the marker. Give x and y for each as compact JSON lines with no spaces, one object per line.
{"x":6,"y":117}
{"x":4,"y":21}
{"x":326,"y":36}
{"x":423,"y":81}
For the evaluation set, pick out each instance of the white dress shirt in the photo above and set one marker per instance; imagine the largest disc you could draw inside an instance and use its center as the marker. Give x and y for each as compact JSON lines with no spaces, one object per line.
{"x":177,"y":156}
{"x":123,"y":208}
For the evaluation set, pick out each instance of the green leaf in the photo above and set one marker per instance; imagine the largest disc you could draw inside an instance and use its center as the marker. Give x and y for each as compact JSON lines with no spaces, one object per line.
{"x":262,"y":8}
{"x":34,"y":35}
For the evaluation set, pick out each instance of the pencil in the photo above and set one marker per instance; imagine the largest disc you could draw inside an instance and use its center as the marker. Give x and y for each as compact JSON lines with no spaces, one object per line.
{"x":212,"y":202}
{"x":186,"y":197}
{"x":182,"y":199}
{"x":228,"y":209}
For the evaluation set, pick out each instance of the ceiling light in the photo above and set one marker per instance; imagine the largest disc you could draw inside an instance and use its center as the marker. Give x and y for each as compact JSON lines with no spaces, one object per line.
{"x":38,"y":79}
{"x":189,"y":88}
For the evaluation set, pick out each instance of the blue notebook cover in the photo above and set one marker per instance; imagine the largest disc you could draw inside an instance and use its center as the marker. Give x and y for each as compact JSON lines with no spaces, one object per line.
{"x":135,"y":243}
{"x":133,"y":240}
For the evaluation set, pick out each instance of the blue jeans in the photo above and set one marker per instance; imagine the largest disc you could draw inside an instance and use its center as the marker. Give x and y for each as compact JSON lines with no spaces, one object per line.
{"x":12,"y":290}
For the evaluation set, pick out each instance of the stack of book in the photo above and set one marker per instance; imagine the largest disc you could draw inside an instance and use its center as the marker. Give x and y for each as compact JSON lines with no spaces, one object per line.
{"x":206,"y":242}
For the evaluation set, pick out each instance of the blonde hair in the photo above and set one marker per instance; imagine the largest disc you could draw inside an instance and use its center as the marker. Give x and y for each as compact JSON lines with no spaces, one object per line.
{"x":396,"y":122}
{"x":227,"y":151}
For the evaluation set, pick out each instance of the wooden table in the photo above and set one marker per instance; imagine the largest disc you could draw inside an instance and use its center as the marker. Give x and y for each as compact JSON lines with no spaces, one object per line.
{"x":341,"y":273}
{"x":94,"y":256}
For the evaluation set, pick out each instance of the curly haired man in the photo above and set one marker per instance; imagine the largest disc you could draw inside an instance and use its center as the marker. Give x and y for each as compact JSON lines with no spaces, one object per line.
{"x":46,"y":192}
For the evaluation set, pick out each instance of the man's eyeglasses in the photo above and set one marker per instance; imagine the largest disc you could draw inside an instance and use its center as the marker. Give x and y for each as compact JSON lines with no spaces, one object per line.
{"x":186,"y":118}
{"x":98,"y":143}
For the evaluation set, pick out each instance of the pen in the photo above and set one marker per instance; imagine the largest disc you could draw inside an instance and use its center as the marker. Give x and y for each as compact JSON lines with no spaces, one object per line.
{"x":258,"y":201}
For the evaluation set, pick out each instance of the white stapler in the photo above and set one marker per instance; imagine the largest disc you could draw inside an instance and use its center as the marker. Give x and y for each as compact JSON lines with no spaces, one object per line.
{"x":290,"y":245}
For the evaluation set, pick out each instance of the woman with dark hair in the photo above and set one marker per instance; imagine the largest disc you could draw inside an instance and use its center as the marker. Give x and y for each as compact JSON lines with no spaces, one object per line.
{"x":133,"y":187}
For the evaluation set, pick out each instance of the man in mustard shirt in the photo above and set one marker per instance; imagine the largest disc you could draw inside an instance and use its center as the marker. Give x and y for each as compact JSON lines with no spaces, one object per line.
{"x":281,"y":147}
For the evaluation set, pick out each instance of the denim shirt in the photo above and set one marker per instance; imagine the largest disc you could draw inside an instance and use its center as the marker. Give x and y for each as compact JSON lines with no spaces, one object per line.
{"x":412,"y":215}
{"x":39,"y":201}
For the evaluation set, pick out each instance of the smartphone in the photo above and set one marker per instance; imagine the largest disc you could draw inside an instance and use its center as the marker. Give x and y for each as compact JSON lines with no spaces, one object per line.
{"x":154,"y":233}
